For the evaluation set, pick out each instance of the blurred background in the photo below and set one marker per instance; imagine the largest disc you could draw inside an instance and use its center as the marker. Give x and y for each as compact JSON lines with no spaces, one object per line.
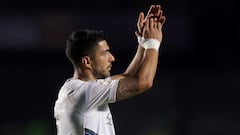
{"x":196,"y":91}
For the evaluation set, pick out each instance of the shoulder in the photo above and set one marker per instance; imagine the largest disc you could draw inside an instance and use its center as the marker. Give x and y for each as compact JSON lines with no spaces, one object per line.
{"x":107,"y":81}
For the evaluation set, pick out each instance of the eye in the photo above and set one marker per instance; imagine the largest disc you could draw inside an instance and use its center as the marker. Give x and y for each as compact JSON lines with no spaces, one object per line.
{"x":106,"y":52}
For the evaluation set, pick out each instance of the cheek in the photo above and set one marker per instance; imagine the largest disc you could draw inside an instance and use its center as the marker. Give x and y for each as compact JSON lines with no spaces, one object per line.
{"x":101,"y":61}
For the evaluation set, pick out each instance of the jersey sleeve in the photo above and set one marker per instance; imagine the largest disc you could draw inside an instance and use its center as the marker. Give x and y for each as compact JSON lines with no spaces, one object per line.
{"x":98,"y":92}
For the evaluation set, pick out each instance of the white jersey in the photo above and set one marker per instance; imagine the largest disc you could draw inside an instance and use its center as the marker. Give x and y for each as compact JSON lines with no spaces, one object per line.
{"x":82,"y":107}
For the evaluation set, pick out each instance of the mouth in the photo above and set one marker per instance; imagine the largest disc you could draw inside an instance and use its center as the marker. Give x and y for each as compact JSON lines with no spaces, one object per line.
{"x":110,"y":67}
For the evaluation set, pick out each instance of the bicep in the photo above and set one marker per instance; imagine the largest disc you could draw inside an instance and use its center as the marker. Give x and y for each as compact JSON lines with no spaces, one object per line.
{"x":118,"y":76}
{"x":127,"y":88}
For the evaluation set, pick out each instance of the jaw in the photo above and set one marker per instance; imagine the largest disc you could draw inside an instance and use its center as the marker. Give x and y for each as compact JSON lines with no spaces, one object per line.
{"x":101,"y":75}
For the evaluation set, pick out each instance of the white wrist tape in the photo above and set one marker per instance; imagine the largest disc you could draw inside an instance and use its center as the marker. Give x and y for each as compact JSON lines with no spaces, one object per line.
{"x":150,"y":43}
{"x":140,"y":39}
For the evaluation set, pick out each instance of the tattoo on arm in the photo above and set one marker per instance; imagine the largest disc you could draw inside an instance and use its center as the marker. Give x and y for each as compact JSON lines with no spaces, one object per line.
{"x":127,"y":88}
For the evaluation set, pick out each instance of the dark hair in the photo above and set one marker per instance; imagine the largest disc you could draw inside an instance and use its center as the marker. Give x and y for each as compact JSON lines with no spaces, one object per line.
{"x":82,"y":43}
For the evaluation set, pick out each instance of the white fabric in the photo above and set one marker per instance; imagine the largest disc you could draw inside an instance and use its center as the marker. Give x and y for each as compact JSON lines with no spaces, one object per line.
{"x":140,"y":39}
{"x":83,"y":105}
{"x":150,"y":43}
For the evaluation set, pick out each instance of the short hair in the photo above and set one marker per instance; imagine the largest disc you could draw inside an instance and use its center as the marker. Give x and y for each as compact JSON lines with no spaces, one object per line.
{"x":83,"y":43}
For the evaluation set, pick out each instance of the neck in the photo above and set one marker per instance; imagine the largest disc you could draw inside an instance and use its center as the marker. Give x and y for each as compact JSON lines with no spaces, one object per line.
{"x":83,"y":75}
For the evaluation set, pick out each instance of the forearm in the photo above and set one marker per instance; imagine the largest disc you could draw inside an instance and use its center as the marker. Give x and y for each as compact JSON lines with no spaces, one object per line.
{"x":135,"y":63}
{"x":131,"y":86}
{"x":148,"y":68}
{"x":144,"y":64}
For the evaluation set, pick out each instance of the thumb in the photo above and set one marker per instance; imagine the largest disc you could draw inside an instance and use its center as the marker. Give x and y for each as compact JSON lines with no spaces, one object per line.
{"x":137,"y":34}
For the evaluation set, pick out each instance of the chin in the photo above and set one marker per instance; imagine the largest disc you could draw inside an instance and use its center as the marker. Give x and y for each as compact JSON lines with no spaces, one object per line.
{"x":103,"y":76}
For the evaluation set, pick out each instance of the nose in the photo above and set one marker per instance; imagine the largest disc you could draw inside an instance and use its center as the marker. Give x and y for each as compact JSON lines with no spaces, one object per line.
{"x":112,"y":59}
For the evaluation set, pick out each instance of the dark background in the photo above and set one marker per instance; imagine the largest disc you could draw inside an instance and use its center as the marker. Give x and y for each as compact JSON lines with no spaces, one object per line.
{"x":196,"y":91}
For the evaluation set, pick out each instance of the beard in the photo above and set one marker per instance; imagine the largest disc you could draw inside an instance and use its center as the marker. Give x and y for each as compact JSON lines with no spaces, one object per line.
{"x":100,"y":74}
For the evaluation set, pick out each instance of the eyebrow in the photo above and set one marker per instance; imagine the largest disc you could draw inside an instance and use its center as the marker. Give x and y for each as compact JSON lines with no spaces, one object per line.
{"x":106,"y":50}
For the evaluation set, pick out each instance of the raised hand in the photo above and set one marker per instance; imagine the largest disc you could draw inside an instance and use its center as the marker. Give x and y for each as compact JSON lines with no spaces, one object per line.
{"x":141,"y":20}
{"x":154,"y":12}
{"x":152,"y":29}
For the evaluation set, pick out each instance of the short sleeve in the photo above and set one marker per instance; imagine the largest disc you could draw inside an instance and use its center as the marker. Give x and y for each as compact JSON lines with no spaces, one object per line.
{"x":98,"y":92}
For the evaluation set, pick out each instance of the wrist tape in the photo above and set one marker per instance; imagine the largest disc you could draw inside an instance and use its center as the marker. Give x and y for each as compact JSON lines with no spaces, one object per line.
{"x":140,"y":39}
{"x":150,"y":43}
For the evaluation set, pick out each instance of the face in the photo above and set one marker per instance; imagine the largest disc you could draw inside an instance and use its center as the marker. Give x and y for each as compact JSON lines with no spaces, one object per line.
{"x":102,"y":61}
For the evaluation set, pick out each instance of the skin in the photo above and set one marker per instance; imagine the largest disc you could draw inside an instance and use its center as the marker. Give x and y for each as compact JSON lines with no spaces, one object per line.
{"x":139,"y":75}
{"x":102,"y":62}
{"x":95,"y":67}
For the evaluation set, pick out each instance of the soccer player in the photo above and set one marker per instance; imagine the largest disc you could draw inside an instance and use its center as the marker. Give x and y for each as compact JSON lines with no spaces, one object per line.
{"x":82,"y":104}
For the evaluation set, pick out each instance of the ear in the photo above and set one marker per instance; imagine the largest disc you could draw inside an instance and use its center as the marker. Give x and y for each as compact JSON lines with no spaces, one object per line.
{"x":86,"y":61}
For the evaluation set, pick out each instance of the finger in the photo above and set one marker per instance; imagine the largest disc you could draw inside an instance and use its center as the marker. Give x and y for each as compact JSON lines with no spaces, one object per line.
{"x":159,"y":25}
{"x":141,"y":17}
{"x":151,"y":23}
{"x":158,"y":12}
{"x":160,"y":15}
{"x":158,"y":7}
{"x":162,"y":20}
{"x":137,"y":34}
{"x":140,"y":21}
{"x":150,"y":11}
{"x":147,"y":24}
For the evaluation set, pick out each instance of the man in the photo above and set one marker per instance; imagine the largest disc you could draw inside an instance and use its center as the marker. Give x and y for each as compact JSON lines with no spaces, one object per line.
{"x":82,"y":104}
